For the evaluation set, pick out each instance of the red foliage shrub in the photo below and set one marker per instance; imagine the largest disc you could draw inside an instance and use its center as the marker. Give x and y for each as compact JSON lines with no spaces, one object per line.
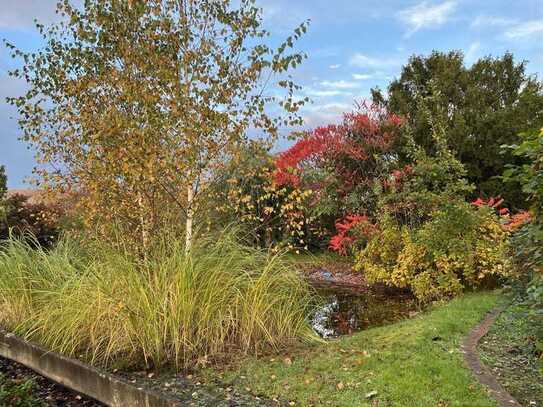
{"x":518,"y":220}
{"x":23,"y":217}
{"x":510,"y":223}
{"x":493,"y":203}
{"x":349,"y":230}
{"x":398,"y":177}
{"x":324,"y":143}
{"x":357,"y":139}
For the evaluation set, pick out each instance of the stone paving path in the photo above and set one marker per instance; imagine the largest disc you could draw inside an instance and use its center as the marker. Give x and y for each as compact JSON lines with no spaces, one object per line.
{"x":469,"y":348}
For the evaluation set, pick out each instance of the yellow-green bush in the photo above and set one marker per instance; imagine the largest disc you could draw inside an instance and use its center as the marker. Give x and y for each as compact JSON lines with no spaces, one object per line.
{"x":461,"y":246}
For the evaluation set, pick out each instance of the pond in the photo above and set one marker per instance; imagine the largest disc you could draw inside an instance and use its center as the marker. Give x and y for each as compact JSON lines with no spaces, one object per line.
{"x":343,"y":312}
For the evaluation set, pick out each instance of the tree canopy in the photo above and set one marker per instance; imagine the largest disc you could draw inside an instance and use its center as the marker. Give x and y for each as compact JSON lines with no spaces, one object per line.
{"x":3,"y":182}
{"x":487,"y":105}
{"x":136,"y":104}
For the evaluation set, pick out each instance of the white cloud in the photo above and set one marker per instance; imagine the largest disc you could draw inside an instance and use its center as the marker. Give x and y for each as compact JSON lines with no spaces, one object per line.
{"x":492,"y":21}
{"x":324,"y":93}
{"x":340,"y":84}
{"x":329,"y":107}
{"x":472,"y":51}
{"x":364,"y":61}
{"x":525,"y":29}
{"x":317,"y":115}
{"x":281,"y":17}
{"x":426,"y":15}
{"x":335,"y":66}
{"x":362,"y":77}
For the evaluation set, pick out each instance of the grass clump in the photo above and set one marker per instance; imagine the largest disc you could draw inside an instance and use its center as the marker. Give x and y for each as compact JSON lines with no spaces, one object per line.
{"x":111,"y":308}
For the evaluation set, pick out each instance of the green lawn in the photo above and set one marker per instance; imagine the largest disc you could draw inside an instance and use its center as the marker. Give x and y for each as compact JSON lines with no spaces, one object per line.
{"x":416,"y":362}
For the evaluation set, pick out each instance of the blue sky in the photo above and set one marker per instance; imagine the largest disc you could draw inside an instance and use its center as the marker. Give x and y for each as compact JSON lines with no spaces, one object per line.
{"x":352,"y":45}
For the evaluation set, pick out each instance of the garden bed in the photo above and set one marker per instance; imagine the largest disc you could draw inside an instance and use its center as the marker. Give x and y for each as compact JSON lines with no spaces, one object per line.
{"x":20,"y":384}
{"x":80,"y":377}
{"x":24,"y":386}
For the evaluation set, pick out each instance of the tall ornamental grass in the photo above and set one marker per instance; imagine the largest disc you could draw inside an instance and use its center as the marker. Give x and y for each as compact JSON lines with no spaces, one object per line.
{"x":111,"y":308}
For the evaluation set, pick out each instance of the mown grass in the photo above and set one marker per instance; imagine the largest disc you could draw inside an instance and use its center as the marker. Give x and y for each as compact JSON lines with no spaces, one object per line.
{"x":416,"y":362}
{"x":113,"y":309}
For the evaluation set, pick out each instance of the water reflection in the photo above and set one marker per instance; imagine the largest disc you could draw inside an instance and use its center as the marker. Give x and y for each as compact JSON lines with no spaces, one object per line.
{"x":343,"y":313}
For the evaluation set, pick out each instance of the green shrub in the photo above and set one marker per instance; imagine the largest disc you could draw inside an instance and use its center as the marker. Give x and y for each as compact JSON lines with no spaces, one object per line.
{"x":411,"y":195}
{"x":459,"y":247}
{"x":430,"y":239}
{"x":114,"y":309}
{"x":269,"y":214}
{"x":527,"y":242}
{"x":527,"y":247}
{"x":530,"y":174}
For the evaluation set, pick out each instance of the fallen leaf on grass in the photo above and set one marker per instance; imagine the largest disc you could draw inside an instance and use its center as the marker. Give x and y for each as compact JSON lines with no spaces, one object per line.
{"x":371,"y":394}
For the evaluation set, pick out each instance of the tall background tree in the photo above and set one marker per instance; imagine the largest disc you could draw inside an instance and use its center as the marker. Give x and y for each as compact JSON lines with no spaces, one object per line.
{"x":3,"y":191}
{"x":138,"y":104}
{"x":487,"y":105}
{"x":3,"y":182}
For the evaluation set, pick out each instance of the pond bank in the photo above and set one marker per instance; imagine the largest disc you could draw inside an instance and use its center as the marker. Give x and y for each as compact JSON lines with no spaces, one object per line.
{"x":412,"y":362}
{"x":348,"y":303}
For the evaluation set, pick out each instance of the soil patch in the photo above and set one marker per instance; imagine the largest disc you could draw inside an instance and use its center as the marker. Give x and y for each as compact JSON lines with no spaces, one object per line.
{"x":45,"y":390}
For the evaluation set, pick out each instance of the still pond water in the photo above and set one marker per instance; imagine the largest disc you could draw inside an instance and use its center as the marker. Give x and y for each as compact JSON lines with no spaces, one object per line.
{"x":343,"y":312}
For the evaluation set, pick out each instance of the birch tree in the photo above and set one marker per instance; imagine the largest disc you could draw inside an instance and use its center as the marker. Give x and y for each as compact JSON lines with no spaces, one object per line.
{"x":137,"y":104}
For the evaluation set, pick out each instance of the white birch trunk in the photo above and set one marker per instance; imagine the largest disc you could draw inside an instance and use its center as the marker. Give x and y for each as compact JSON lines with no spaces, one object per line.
{"x":190,"y":218}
